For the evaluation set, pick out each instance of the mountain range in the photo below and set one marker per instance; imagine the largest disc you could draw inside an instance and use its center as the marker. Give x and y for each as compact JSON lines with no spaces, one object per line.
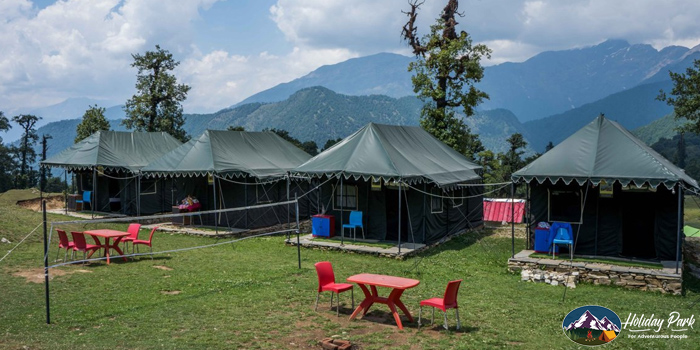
{"x":588,"y":321}
{"x":564,"y":90}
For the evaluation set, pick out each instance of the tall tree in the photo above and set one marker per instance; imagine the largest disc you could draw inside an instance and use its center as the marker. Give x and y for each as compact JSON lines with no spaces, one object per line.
{"x":685,"y":97}
{"x":446,"y":69}
{"x":549,"y":146}
{"x":4,"y":123}
{"x":93,"y":121}
{"x":7,"y":163}
{"x":157,"y":105}
{"x":25,"y":151}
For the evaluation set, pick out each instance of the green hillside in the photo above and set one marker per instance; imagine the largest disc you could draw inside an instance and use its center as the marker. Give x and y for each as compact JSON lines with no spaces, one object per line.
{"x":658,"y":129}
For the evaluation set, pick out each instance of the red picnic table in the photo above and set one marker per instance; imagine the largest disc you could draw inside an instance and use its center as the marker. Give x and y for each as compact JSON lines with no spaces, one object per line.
{"x":398,"y":285}
{"x":107,"y":234}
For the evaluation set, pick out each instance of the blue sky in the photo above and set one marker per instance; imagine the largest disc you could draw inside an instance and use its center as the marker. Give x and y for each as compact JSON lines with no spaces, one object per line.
{"x":231,"y":49}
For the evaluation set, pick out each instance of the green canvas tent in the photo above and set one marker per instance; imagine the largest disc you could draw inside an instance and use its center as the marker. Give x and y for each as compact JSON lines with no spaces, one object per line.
{"x":622,"y":197}
{"x":374,"y":163}
{"x":108,"y":163}
{"x":227,"y":169}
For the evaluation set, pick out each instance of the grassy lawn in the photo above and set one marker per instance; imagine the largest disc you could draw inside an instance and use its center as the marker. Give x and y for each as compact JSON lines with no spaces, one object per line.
{"x":646,"y":265}
{"x":251,"y":295}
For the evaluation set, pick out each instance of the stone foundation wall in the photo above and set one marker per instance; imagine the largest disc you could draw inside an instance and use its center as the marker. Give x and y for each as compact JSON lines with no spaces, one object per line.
{"x":563,"y":273}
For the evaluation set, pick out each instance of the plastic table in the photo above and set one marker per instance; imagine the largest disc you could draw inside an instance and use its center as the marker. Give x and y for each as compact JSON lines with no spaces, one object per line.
{"x":398,"y":285}
{"x":107,"y":234}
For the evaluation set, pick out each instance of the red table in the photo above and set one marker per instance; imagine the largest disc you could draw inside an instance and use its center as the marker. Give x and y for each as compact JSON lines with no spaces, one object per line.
{"x":107,"y":234}
{"x":398,"y":285}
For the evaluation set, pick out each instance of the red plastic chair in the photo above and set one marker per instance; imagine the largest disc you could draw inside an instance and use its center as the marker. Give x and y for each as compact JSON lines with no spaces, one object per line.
{"x":80,"y":245}
{"x":63,"y":243}
{"x":326,"y":282}
{"x":144,"y":242}
{"x":133,"y":235}
{"x":449,"y":301}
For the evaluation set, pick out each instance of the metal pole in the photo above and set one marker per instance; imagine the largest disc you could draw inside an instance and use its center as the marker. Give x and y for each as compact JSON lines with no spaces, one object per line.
{"x":138,"y":196}
{"x":46,"y":264}
{"x":245,"y":195}
{"x":527,"y":215}
{"x":216,"y":220}
{"x":342,"y":231}
{"x":399,"y":218}
{"x":65,"y":197}
{"x":94,"y":191}
{"x":512,"y":218}
{"x":296,"y":204}
{"x":289,"y":225}
{"x":680,"y":218}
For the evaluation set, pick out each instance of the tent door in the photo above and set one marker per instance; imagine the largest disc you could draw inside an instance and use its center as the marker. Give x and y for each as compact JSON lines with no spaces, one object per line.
{"x":638,"y":222}
{"x":392,"y":216}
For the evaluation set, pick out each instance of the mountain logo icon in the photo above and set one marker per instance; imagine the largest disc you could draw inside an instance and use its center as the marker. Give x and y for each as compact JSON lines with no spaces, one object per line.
{"x":591,"y":325}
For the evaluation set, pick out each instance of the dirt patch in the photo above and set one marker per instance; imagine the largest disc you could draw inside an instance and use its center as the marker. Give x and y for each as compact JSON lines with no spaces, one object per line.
{"x":37,"y":275}
{"x":161,"y":267}
{"x":52,"y":202}
{"x":170,"y":292}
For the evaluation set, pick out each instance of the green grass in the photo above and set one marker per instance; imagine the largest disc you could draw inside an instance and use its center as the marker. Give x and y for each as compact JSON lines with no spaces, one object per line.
{"x":252,"y":295}
{"x":646,"y":265}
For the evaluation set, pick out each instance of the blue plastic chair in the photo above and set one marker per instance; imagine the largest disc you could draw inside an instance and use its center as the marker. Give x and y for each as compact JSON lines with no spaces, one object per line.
{"x":564,"y":235}
{"x":355,"y":222}
{"x":87,"y":196}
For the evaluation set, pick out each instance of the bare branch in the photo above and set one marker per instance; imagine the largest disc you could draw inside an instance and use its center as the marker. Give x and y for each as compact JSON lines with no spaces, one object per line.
{"x":410,"y":31}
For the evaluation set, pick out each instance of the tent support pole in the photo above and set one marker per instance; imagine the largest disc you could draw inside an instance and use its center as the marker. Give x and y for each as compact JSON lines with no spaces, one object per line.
{"x":296,"y":205}
{"x":680,"y":218}
{"x":527,"y":215}
{"x":94,"y":191}
{"x":65,"y":197}
{"x":399,"y":218}
{"x":289,"y":225}
{"x":342,"y":232}
{"x":425,"y":219}
{"x":512,"y":218}
{"x":216,"y":220}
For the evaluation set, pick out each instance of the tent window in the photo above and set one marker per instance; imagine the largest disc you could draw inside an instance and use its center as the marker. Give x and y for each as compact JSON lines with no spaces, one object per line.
{"x":149,"y":186}
{"x":457,"y":197}
{"x":565,"y":206}
{"x":436,"y":201}
{"x":263,"y":193}
{"x":348,"y":200}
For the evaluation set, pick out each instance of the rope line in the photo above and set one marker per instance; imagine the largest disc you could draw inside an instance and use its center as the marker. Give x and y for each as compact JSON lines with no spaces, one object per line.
{"x":20,"y":242}
{"x":455,"y":197}
{"x":172,"y":250}
{"x":166,"y":216}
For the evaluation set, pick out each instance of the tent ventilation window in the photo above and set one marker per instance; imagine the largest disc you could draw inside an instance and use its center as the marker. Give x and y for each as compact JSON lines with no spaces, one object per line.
{"x":436,"y":201}
{"x":348,"y":200}
{"x":149,"y":186}
{"x":565,"y":206}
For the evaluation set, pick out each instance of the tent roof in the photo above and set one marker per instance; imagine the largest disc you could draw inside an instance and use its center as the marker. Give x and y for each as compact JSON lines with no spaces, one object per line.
{"x":230,"y":153}
{"x":391,"y":152}
{"x":114,"y":150}
{"x":604,"y":151}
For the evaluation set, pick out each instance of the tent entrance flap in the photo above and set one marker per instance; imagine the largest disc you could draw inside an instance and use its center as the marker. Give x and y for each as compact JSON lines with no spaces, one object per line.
{"x":638,"y":223}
